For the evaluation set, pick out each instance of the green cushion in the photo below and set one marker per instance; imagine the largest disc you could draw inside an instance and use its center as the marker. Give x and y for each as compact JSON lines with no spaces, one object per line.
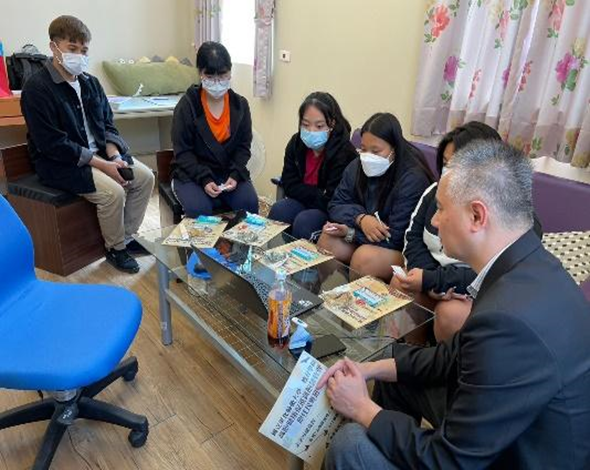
{"x":159,"y":78}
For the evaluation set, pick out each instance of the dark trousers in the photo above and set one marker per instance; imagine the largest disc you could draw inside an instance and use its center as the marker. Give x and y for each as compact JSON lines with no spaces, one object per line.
{"x":196,"y":201}
{"x":418,"y":402}
{"x":351,"y":448}
{"x":303,"y":221}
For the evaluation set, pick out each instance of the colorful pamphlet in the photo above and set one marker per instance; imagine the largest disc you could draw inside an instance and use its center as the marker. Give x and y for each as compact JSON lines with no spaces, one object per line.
{"x":255,"y":230}
{"x":294,"y":257}
{"x":202,"y":232}
{"x":363,"y":301}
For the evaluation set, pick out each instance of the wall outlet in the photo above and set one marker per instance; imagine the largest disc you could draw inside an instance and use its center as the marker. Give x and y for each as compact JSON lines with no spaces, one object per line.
{"x":285,"y":56}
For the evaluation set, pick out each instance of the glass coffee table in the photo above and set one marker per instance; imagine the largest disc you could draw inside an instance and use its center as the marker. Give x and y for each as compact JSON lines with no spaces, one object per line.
{"x":240,"y":334}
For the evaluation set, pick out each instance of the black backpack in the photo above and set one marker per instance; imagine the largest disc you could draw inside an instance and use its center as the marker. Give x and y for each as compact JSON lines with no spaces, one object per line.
{"x":21,"y":65}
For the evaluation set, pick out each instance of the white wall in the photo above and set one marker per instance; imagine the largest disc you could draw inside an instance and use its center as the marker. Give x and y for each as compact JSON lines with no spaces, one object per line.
{"x":365,"y":53}
{"x":120,"y":28}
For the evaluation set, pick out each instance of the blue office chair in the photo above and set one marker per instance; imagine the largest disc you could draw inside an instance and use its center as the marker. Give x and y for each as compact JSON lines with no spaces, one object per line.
{"x":66,"y":339}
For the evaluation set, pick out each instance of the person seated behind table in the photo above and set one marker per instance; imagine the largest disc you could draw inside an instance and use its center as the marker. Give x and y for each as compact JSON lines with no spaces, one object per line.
{"x":315,"y":159}
{"x":440,"y":281}
{"x":211,"y":137}
{"x":386,"y":181}
{"x":75,"y":146}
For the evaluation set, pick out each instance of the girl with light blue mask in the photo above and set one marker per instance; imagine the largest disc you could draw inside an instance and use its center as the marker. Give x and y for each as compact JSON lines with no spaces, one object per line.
{"x":315,"y":159}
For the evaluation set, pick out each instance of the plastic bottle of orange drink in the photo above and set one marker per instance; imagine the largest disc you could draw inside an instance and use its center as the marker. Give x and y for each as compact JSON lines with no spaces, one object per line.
{"x":279,"y":305}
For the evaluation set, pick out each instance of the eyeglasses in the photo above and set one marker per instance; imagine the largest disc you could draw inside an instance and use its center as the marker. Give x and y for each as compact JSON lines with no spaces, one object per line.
{"x":217,"y":77}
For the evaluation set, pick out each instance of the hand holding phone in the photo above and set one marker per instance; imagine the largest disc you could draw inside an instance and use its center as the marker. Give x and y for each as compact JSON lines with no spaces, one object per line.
{"x":126,"y":173}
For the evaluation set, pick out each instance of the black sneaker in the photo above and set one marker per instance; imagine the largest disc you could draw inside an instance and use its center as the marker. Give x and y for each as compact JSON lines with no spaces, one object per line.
{"x":121,"y":260}
{"x":136,"y":249}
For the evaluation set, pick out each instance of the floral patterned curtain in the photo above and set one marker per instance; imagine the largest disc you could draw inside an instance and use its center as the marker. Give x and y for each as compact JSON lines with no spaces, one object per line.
{"x":263,"y":48}
{"x":207,"y":22}
{"x":519,"y":65}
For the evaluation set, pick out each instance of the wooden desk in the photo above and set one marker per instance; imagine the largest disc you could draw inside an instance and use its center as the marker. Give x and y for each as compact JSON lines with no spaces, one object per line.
{"x":10,"y":113}
{"x":11,"y":116}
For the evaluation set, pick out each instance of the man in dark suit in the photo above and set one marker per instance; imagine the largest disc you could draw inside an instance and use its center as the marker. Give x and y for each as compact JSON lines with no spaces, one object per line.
{"x":512,"y":387}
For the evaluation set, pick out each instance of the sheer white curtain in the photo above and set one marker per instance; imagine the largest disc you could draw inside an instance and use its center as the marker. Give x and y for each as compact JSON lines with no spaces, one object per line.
{"x":263,"y":48}
{"x":207,"y":22}
{"x":519,"y":65}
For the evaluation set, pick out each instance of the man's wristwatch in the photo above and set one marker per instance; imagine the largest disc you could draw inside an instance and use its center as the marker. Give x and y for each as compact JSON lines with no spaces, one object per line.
{"x":349,"y":238}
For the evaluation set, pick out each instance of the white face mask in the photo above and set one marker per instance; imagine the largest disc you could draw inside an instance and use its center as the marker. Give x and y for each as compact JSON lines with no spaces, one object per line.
{"x":76,"y":64}
{"x":216,"y":88}
{"x":374,"y":165}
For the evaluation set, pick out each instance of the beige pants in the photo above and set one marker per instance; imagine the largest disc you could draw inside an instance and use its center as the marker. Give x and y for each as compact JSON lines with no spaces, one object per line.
{"x":121,"y":209}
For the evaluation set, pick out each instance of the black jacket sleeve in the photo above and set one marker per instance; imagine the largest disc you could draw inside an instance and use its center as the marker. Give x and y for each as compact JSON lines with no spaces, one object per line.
{"x":183,"y":143}
{"x":345,"y":207}
{"x":425,"y":367}
{"x":409,"y":189}
{"x":111,"y":133}
{"x":497,"y":397}
{"x":242,"y":153}
{"x":415,"y":251}
{"x":443,"y":278}
{"x":344,"y":156}
{"x":38,"y":107}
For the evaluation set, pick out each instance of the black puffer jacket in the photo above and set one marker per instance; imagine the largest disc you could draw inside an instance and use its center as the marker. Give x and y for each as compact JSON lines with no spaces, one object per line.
{"x":198,"y":156}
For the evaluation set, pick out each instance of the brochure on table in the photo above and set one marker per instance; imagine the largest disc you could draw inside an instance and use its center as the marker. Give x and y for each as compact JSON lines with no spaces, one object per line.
{"x":199,"y":233}
{"x":363,"y":301}
{"x":294,"y":257}
{"x":255,"y":230}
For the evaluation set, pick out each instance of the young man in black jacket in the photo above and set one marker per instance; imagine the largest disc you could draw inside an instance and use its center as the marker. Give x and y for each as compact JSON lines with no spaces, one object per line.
{"x":75,"y":146}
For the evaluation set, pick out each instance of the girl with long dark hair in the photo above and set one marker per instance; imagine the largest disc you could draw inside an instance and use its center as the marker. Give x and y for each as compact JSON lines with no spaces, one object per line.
{"x":372,"y":205}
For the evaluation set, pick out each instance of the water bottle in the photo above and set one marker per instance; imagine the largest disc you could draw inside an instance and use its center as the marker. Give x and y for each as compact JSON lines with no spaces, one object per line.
{"x":279,"y":305}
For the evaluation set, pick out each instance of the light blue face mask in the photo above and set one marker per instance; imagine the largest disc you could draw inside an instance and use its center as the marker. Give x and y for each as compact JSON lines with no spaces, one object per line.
{"x":314,"y":140}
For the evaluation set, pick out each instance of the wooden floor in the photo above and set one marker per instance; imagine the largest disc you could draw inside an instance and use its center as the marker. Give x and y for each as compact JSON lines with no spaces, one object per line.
{"x":203,"y":413}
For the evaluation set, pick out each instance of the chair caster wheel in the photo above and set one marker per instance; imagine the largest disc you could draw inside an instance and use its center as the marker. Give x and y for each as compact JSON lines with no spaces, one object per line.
{"x":130,"y":376}
{"x":138,"y":438}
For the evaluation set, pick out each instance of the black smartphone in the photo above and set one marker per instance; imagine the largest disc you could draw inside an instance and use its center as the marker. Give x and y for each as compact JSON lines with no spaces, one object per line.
{"x":236,"y":219}
{"x":326,"y":346}
{"x":126,"y":173}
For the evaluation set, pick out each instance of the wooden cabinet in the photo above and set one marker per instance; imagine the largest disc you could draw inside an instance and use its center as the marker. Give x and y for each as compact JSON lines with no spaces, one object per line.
{"x":10,"y":113}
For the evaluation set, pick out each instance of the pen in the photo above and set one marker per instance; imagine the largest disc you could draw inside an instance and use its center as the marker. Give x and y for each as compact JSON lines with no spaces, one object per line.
{"x":379,"y":220}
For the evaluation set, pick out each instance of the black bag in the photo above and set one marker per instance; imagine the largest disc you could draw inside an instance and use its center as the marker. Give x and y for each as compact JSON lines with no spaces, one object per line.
{"x":21,"y":65}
